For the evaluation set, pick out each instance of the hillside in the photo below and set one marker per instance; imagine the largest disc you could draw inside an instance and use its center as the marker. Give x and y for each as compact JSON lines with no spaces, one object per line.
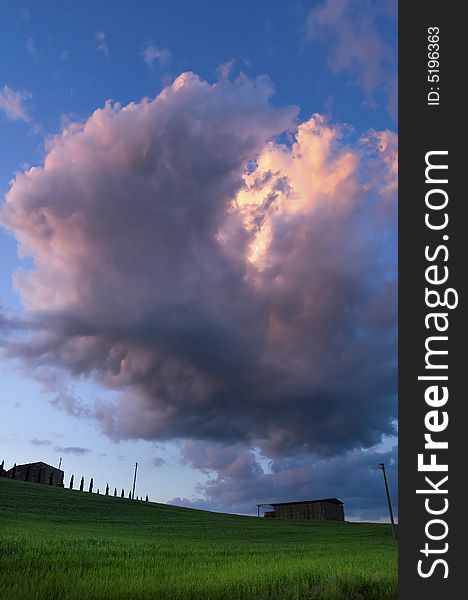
{"x":59,"y":544}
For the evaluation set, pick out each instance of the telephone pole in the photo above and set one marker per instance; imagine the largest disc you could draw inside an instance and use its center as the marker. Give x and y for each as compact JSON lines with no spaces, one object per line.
{"x":134,"y":481}
{"x":382,"y":467}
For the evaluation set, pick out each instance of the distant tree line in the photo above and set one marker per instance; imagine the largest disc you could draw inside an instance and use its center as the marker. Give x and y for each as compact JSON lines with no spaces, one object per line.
{"x":107,"y":492}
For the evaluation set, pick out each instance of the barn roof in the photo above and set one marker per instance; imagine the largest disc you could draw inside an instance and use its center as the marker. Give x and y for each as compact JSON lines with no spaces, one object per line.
{"x":329,"y":500}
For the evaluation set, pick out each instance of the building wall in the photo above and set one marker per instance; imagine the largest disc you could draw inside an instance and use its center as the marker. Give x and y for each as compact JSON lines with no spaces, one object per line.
{"x":316,"y":511}
{"x":334,"y":512}
{"x":38,"y":473}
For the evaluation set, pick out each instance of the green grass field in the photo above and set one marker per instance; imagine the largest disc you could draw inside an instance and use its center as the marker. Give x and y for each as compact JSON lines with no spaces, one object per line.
{"x":57,"y":544}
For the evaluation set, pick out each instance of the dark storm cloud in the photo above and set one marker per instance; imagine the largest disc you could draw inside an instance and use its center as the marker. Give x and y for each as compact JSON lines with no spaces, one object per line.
{"x":37,"y":442}
{"x":237,"y":481}
{"x":229,"y":287}
{"x":76,"y":450}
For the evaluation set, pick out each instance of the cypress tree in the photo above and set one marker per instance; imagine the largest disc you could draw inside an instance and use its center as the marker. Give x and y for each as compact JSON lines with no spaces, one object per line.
{"x":107,"y":489}
{"x":97,"y":492}
{"x":130,"y":495}
{"x":2,"y":468}
{"x":115,"y":492}
{"x":146,"y":497}
{"x":122,"y":495}
{"x":13,"y":472}
{"x":72,"y":479}
{"x":91,"y":483}
{"x":82,"y":484}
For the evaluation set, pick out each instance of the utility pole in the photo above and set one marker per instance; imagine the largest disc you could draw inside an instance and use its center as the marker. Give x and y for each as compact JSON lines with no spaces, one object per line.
{"x":134,"y":481}
{"x":60,"y":463}
{"x":382,"y":467}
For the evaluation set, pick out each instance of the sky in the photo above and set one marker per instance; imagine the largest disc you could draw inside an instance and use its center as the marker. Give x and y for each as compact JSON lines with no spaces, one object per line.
{"x":198,"y":248}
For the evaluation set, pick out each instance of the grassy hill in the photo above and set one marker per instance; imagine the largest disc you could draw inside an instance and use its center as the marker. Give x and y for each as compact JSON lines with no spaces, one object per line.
{"x":57,"y":544}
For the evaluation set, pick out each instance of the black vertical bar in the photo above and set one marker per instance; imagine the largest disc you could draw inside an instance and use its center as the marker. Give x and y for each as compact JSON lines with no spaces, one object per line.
{"x":432,"y":118}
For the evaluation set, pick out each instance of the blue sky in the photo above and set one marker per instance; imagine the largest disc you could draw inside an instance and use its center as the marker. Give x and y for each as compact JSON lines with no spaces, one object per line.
{"x":62,"y":61}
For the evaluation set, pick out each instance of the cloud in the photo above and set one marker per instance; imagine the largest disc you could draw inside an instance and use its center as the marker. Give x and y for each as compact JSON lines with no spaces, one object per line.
{"x":31,"y":49}
{"x":152,"y":54}
{"x":12,"y":104}
{"x":238,"y":481}
{"x":76,"y":450}
{"x":158,"y":461}
{"x":357,"y":45}
{"x":102,"y":44}
{"x":37,"y":442}
{"x":225,"y":68}
{"x":230,"y":287}
{"x":62,"y":394}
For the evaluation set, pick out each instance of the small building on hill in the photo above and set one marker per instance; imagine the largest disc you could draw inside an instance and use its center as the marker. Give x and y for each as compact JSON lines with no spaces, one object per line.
{"x":37,"y":472}
{"x":327,"y":509}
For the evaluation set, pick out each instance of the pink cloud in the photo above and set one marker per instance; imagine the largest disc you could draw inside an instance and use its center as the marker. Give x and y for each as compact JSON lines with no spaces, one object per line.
{"x":12,"y":104}
{"x":152,"y":54}
{"x":212,"y":275}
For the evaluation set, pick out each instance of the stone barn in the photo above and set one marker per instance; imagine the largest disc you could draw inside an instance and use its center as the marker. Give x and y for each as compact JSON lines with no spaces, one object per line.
{"x":37,"y":472}
{"x":327,"y":509}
